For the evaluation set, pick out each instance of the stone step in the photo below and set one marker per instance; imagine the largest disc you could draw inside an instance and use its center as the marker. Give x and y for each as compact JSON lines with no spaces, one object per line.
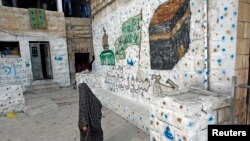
{"x":39,"y":106}
{"x":44,"y":89}
{"x":44,"y":86}
{"x":42,"y":83}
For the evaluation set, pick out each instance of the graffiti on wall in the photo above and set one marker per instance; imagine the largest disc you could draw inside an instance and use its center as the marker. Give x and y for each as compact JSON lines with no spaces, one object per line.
{"x":10,"y":70}
{"x":107,"y":56}
{"x":136,"y":84}
{"x":158,"y":87}
{"x":169,"y":34}
{"x":59,"y":58}
{"x":131,"y":35}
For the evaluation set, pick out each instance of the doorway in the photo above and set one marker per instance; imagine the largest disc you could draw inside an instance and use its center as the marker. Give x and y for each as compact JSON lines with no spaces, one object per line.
{"x":41,"y":60}
{"x":81,"y":62}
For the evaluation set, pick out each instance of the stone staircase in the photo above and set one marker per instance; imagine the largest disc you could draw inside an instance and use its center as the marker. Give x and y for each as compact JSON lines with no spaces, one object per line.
{"x":43,"y":86}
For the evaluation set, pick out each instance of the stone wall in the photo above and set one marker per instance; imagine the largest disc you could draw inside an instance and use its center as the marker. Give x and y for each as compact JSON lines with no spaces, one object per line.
{"x":138,"y":80}
{"x":208,"y":61}
{"x":11,"y":99}
{"x":242,"y":58}
{"x":15,"y":26}
{"x":185,"y":115}
{"x":79,"y":40}
{"x":98,"y":5}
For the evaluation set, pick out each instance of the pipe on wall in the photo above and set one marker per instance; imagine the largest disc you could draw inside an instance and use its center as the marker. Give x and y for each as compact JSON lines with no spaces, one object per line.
{"x":206,"y":45}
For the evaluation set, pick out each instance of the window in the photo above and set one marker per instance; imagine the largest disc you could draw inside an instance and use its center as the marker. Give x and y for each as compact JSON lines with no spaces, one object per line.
{"x":34,"y":52}
{"x":9,"y":49}
{"x":42,"y":4}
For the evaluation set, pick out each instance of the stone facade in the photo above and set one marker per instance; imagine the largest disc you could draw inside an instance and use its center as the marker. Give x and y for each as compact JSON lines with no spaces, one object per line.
{"x":242,"y":59}
{"x":15,"y":26}
{"x":79,"y":40}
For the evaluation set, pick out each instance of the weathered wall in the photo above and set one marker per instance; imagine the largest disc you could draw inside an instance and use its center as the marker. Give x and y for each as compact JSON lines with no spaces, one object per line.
{"x":98,"y":5}
{"x":15,"y":26}
{"x":138,"y":80}
{"x":11,"y":99}
{"x":242,"y":58}
{"x":222,"y":43}
{"x":79,"y":40}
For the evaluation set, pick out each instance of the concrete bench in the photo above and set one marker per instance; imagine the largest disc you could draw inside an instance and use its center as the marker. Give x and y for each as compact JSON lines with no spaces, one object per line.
{"x":136,"y":113}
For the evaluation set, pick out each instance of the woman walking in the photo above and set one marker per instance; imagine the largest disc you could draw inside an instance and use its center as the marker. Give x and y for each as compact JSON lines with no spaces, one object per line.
{"x":89,"y":115}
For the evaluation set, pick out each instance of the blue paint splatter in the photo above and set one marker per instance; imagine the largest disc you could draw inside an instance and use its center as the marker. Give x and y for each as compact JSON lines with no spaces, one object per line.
{"x":192,"y":3}
{"x":199,"y":11}
{"x":179,"y":139}
{"x":233,"y":25}
{"x":218,"y":46}
{"x":221,"y":17}
{"x":219,"y":60}
{"x":232,"y":56}
{"x":190,"y":124}
{"x":223,"y":49}
{"x":235,"y":13}
{"x":151,"y":116}
{"x":223,"y":38}
{"x":225,"y":8}
{"x":166,"y":116}
{"x":210,"y":119}
{"x":232,"y":38}
{"x":168,"y":134}
{"x":224,"y":72}
{"x":200,"y":72}
{"x":185,"y":75}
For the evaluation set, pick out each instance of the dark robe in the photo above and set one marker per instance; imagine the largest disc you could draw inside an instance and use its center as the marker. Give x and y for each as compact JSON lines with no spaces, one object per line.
{"x":90,"y":114}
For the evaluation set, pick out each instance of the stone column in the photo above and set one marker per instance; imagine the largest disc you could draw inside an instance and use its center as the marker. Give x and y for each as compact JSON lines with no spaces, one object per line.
{"x":59,"y":6}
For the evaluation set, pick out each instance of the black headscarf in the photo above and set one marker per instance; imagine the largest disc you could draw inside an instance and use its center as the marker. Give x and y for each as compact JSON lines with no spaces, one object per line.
{"x":89,"y":114}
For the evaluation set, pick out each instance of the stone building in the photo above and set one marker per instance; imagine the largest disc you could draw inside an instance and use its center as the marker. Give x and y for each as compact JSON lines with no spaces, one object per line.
{"x":29,"y":54}
{"x":80,"y":46}
{"x":167,"y":52}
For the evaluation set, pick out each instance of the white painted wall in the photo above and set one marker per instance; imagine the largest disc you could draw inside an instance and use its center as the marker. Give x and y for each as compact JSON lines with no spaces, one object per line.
{"x":190,"y":70}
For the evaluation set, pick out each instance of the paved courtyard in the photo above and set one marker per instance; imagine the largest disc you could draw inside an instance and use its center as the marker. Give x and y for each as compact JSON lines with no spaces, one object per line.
{"x":61,"y":124}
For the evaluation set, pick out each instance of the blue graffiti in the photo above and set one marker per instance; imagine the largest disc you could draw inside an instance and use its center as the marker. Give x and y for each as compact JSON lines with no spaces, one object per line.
{"x":58,"y":58}
{"x":130,"y":62}
{"x":8,"y":70}
{"x":168,"y":134}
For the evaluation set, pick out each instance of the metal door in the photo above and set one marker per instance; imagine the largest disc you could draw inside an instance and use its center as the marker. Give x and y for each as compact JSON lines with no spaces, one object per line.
{"x":48,"y":61}
{"x":36,"y":61}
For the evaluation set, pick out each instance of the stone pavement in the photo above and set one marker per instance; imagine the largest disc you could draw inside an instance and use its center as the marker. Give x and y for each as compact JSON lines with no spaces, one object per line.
{"x":61,"y":124}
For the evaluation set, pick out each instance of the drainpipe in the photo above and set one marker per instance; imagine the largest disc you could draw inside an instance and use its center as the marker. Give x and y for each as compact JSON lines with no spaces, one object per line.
{"x":206,"y":44}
